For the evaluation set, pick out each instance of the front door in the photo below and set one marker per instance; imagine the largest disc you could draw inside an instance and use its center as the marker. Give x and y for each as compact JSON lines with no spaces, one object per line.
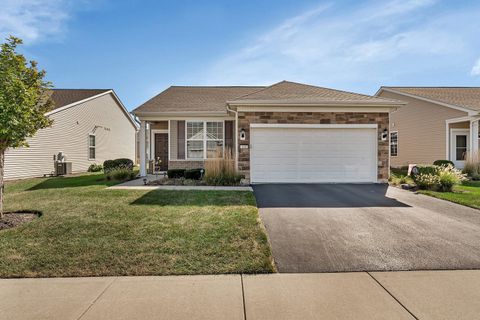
{"x":459,"y":142}
{"x":161,"y":150}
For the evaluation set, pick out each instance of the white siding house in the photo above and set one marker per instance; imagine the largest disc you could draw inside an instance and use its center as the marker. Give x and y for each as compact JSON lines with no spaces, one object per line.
{"x":98,"y":116}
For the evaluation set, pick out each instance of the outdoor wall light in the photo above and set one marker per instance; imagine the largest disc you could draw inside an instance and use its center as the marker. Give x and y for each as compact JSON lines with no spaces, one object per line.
{"x":384,"y":135}
{"x":243,"y":134}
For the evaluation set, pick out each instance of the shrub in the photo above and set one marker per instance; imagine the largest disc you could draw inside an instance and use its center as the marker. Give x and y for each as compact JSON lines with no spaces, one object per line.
{"x":95,"y":167}
{"x":193,"y":174}
{"x":426,"y":177}
{"x":448,"y":176}
{"x":426,"y":180}
{"x":110,"y":165}
{"x":472,"y":166}
{"x":176,"y":173}
{"x":221,"y":171}
{"x":397,"y":179}
{"x":427,"y":170}
{"x":399,"y":170}
{"x":121,"y":174}
{"x":443,"y":163}
{"x":133,"y":175}
{"x":441,"y":178}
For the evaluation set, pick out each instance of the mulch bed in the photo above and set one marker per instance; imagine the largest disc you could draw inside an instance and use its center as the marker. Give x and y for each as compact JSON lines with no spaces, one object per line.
{"x":176,"y":182}
{"x":13,"y":219}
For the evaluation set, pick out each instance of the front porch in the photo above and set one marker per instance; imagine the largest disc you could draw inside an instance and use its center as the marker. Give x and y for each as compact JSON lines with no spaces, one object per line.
{"x":183,"y":143}
{"x":462,"y":140}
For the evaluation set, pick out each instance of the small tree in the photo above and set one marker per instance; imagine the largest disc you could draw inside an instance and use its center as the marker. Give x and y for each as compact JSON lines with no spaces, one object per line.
{"x":24,"y":100}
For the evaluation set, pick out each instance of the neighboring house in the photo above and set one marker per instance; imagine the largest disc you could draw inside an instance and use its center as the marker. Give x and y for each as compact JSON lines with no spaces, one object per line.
{"x":436,"y":123}
{"x":89,"y":126}
{"x":287,"y":132}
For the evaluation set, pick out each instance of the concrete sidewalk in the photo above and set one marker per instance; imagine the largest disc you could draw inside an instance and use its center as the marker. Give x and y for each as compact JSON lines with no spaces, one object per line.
{"x":361,"y":295}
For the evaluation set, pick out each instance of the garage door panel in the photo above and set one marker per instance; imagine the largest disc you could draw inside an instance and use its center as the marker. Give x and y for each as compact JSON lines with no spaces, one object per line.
{"x":313,"y":155}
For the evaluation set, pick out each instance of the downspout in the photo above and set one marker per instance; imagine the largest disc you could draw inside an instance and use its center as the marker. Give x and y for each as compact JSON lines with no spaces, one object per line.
{"x":236,"y":135}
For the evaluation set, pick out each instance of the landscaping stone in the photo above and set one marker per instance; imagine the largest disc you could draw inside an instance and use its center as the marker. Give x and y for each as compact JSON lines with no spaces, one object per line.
{"x":407,"y":186}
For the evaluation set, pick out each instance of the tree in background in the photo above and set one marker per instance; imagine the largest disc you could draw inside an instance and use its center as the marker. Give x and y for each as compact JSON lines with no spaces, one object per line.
{"x":24,"y":100}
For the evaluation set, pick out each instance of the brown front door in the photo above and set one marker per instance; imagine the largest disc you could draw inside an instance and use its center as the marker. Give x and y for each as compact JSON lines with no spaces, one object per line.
{"x":161,"y":150}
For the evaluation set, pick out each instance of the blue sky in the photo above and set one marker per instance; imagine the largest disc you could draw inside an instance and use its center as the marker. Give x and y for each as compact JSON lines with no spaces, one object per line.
{"x":139,"y":48}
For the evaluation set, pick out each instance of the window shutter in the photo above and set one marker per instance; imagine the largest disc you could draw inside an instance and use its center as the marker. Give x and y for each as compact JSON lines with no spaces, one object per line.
{"x":229,"y":134}
{"x":181,"y":140}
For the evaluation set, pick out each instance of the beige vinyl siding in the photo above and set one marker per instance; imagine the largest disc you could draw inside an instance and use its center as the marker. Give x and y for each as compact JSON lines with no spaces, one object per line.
{"x":115,"y":138}
{"x":421,"y":130}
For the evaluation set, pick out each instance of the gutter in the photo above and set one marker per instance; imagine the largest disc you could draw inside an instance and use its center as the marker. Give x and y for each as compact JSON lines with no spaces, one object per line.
{"x":180,"y":114}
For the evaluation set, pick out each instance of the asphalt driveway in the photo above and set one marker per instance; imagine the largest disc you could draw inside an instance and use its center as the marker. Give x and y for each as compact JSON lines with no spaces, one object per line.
{"x":366,"y":227}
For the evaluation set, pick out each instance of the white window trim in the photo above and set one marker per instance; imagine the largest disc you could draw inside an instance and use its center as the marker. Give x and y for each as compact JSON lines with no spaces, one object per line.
{"x":451,"y":156}
{"x":94,"y":147}
{"x":186,"y":140}
{"x":223,"y":139}
{"x":204,"y":139}
{"x":390,"y":143}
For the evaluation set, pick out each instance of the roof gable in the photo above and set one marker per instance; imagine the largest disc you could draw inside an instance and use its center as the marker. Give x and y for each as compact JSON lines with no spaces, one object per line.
{"x":287,"y":92}
{"x":67,"y":98}
{"x":461,"y":97}
{"x":64,"y":97}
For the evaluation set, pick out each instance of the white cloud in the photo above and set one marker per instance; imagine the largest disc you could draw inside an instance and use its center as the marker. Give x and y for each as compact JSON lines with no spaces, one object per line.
{"x":33,"y":20}
{"x":476,"y":68}
{"x":337,"y":46}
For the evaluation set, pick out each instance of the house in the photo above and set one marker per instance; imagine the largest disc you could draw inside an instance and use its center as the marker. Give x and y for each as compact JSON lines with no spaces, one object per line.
{"x":89,"y":126}
{"x":436,"y":123}
{"x":286,"y":132}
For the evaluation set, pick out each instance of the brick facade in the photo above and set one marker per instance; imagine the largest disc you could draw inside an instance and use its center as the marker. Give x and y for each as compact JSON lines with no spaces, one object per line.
{"x":185,"y":164}
{"x":247,"y":118}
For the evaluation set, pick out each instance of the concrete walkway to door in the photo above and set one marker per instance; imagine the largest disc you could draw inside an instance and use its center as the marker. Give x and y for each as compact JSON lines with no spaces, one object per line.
{"x":366,"y":227}
{"x":384,"y":295}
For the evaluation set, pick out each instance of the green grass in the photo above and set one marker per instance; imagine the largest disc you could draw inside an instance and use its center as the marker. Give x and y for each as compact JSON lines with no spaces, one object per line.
{"x":87,"y":230}
{"x":467,"y":194}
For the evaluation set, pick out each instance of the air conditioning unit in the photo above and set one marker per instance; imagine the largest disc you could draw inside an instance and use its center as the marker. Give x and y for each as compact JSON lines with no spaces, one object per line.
{"x":63,"y":168}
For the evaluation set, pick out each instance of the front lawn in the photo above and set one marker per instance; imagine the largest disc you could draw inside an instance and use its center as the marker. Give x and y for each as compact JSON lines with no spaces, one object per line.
{"x":87,"y":230}
{"x":467,"y":194}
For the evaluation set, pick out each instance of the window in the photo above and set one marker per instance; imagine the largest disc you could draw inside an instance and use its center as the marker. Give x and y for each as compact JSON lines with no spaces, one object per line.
{"x":214,"y":139}
{"x":394,"y":144}
{"x":461,"y":147}
{"x":91,"y":146}
{"x":204,"y":139}
{"x":195,"y":137}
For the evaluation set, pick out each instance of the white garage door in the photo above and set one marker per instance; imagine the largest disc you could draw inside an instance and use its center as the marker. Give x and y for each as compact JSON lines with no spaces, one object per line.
{"x":303,"y":153}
